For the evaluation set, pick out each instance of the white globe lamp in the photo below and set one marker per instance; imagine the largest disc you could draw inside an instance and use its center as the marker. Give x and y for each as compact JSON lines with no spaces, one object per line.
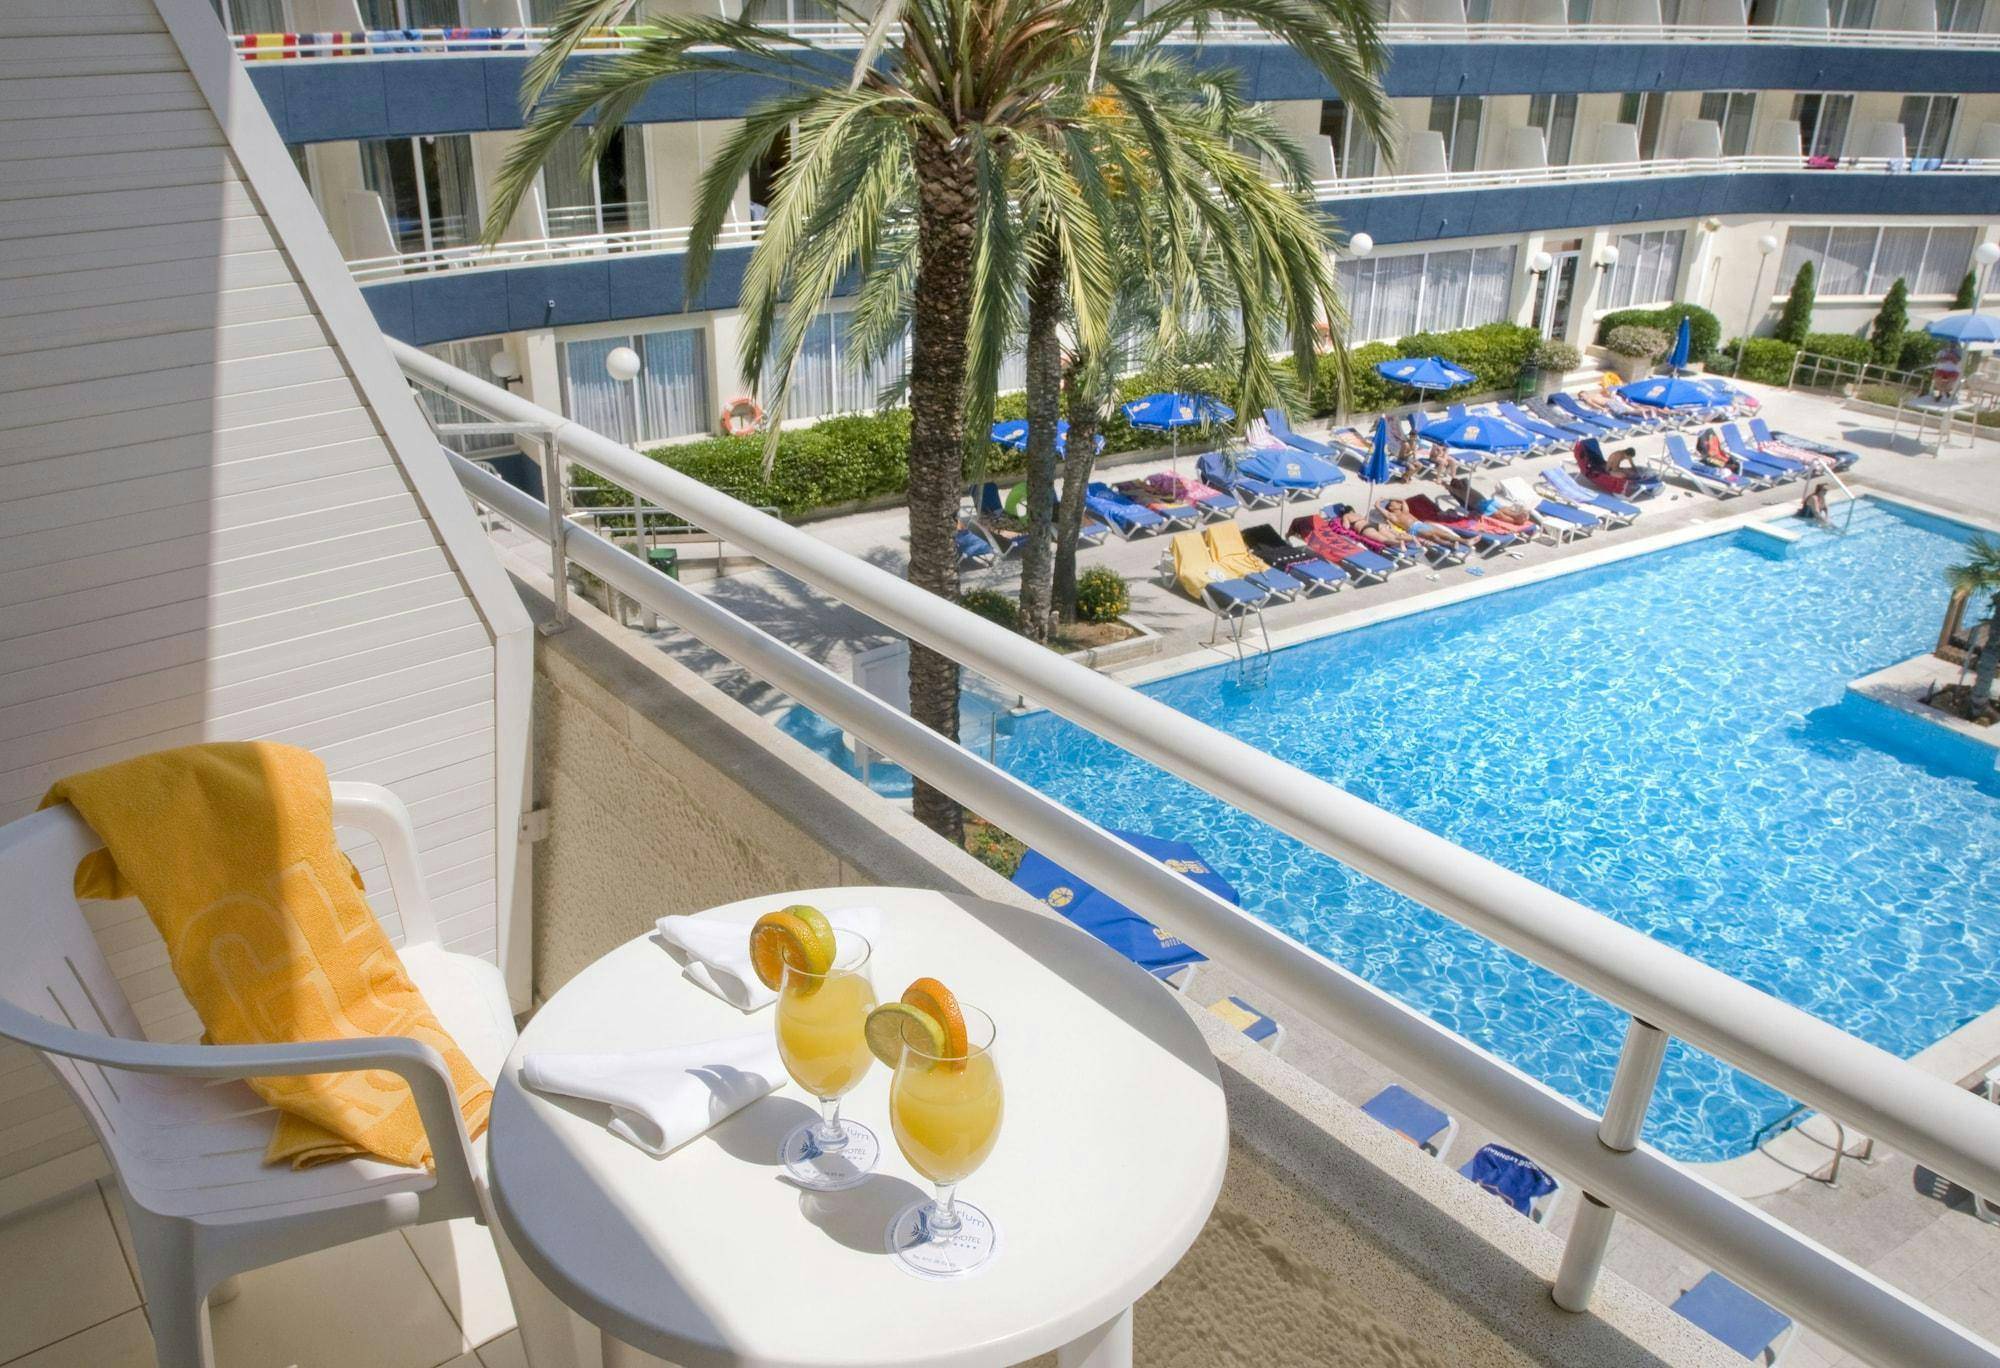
{"x":622,"y":364}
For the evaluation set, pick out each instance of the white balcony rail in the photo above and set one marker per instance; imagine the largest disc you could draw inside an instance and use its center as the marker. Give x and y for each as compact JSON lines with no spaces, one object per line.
{"x":534,"y":251}
{"x":1664,"y":990}
{"x":390,"y":44}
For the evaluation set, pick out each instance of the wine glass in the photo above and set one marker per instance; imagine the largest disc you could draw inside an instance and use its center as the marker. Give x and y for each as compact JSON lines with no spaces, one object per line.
{"x":945,"y":1113}
{"x":824,"y":1046}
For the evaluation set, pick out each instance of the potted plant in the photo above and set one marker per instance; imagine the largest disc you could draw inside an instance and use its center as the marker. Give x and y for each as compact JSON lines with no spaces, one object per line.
{"x":1554,"y":359}
{"x":1634,"y":349}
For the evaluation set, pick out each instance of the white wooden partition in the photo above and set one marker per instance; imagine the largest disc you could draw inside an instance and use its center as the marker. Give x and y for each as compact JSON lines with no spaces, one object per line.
{"x":221,"y":514}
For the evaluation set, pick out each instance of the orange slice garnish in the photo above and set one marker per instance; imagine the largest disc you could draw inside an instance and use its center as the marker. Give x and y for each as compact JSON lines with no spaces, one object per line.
{"x":936,"y":1001}
{"x":782,"y":938}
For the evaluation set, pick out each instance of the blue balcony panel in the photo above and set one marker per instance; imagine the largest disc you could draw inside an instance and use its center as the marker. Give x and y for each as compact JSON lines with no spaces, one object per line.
{"x":340,"y":98}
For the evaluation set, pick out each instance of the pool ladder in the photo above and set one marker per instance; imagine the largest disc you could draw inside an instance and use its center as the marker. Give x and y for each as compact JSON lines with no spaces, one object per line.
{"x":1830,"y":1175}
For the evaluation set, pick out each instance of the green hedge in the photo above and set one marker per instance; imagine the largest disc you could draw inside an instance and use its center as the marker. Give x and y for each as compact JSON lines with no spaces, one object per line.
{"x":1704,"y":328}
{"x":1768,"y":360}
{"x":1839,"y":346}
{"x":1494,"y":352}
{"x":1919,"y":352}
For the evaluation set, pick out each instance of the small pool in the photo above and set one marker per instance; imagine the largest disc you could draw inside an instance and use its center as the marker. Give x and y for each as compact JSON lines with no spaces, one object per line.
{"x":1663,"y":739}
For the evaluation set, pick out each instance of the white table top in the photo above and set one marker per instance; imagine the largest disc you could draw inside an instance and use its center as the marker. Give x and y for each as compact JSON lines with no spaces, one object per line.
{"x":1109,"y":1159}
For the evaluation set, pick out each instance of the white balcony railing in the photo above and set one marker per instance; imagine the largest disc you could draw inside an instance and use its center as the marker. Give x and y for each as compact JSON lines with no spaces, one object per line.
{"x":535,"y":251}
{"x":1665,"y":991}
{"x":396,"y":43}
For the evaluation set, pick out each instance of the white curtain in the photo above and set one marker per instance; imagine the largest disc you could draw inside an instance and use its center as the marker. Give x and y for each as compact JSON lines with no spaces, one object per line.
{"x":596,"y":400}
{"x":1446,"y":275}
{"x":673,"y":383}
{"x":1399,"y":282}
{"x":570,"y":187}
{"x":1492,"y":282}
{"x":1947,"y":257}
{"x":1848,"y":252}
{"x":1649,"y":267}
{"x":1900,"y":254}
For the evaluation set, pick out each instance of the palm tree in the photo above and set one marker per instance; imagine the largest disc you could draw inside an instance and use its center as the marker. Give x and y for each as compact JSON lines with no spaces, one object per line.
{"x":967,"y":101}
{"x":1979,"y":573}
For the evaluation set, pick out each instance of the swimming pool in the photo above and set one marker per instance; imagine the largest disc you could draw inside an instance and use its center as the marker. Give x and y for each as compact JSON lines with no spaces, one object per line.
{"x":1662,"y":739}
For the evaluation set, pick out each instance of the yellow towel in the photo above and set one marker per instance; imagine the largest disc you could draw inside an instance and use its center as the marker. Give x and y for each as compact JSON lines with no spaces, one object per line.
{"x":230,"y":847}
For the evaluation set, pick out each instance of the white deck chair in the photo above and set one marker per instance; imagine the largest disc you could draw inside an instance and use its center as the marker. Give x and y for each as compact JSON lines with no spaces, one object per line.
{"x":185,"y":1136}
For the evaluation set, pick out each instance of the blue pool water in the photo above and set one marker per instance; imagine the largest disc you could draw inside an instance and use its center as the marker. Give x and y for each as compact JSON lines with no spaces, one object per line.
{"x":1662,"y":739}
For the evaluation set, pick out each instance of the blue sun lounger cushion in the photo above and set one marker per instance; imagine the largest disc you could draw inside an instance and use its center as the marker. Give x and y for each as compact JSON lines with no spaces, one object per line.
{"x":1511,"y":1176}
{"x":1745,"y":1323}
{"x":1255,"y":1026}
{"x":1410,"y":1116}
{"x":1281,"y":428}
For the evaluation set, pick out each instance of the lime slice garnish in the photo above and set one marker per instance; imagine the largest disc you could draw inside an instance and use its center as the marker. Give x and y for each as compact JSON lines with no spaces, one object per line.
{"x":782,"y":938}
{"x":893,"y":1023}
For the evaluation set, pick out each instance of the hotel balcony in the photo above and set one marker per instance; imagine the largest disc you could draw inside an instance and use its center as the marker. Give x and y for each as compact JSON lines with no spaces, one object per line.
{"x":223,"y":515}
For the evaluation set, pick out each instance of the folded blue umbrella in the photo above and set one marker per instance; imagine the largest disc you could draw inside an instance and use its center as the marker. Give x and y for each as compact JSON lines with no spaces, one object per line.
{"x":1425,"y":373}
{"x":1478,"y":432}
{"x":1376,"y":469}
{"x":1677,"y":359}
{"x":1111,"y":921}
{"x":1968,"y":326}
{"x":1669,"y":391}
{"x":1166,"y":412}
{"x":1512,"y":1177}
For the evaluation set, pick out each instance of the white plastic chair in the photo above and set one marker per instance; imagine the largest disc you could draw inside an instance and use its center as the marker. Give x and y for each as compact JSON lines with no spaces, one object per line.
{"x":184,"y":1134}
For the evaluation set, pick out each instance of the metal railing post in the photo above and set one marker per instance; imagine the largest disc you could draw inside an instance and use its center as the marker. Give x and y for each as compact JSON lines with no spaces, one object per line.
{"x":1624,"y":1113}
{"x":552,"y":496}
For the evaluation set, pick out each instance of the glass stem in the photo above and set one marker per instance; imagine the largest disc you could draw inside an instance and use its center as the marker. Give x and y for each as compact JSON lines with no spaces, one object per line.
{"x":828,"y":1134}
{"x":943,"y":1217}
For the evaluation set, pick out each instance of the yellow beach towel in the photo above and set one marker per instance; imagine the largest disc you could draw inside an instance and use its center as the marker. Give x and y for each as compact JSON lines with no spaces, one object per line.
{"x":230,"y":847}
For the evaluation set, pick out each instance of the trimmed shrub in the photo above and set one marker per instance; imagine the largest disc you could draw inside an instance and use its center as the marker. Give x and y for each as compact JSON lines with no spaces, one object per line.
{"x":1796,"y":321}
{"x":992,"y":605}
{"x":1704,"y":328}
{"x":1554,"y":356}
{"x":1649,"y":344}
{"x":1968,"y":290}
{"x":1101,"y":595}
{"x":1767,"y":360}
{"x":1919,"y":351}
{"x":1839,"y":346}
{"x":1892,"y":320}
{"x":1493,"y":352}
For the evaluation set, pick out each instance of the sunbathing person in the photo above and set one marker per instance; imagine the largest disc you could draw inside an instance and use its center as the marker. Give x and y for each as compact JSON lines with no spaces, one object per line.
{"x":1709,"y":451}
{"x":1434,"y":532}
{"x":1501,"y":516}
{"x":1374,"y":529}
{"x":1438,"y":463}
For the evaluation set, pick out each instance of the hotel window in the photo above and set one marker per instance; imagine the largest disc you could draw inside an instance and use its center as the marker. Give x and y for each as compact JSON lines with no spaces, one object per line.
{"x":1648,"y":269}
{"x":609,"y":197}
{"x":1643,"y":111}
{"x":1960,"y":16}
{"x":426,"y":189}
{"x":1579,"y":11}
{"x":1478,"y":11}
{"x":1822,"y":121}
{"x":254,"y":16}
{"x":1734,"y":111}
{"x":788,"y":12}
{"x":1927,"y":121}
{"x":474,"y":356}
{"x":669,"y":397}
{"x":1456,"y":117}
{"x":1851,"y":14}
{"x":1359,"y":155}
{"x":827,"y":377}
{"x":1867,"y":261}
{"x":1555,"y":115}
{"x":1392,"y":297}
{"x":394,"y":14}
{"x":1670,"y":12}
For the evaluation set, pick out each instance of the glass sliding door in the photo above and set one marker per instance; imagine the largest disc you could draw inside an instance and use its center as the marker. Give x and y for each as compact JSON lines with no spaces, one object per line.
{"x":609,"y":197}
{"x":1357,"y":152}
{"x":1734,"y":111}
{"x":1555,"y":115}
{"x":669,"y":397}
{"x":426,"y":187}
{"x":397,"y":14}
{"x":1927,"y":121}
{"x":1456,"y":119}
{"x":1643,"y":110}
{"x":1822,"y":121}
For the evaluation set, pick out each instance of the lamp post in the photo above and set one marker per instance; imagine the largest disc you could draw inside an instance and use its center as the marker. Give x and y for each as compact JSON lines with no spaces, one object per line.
{"x":1984,"y":255}
{"x":1539,"y":266}
{"x":1766,"y":245}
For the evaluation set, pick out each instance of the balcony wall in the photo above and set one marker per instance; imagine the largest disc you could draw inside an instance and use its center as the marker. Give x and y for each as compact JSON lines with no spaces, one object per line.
{"x":340,"y":98}
{"x":1333,"y":1242}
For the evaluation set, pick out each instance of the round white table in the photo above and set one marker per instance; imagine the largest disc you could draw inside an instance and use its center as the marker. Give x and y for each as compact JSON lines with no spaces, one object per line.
{"x":1109,"y":1160}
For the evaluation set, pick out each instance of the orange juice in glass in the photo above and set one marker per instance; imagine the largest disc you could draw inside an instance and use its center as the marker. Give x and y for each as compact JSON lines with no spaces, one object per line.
{"x":945,"y":1112}
{"x":820,"y":1020}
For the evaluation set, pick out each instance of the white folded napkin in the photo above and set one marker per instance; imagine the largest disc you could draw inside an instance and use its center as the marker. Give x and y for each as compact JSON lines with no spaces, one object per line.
{"x":718,"y":952}
{"x":661,"y":1099}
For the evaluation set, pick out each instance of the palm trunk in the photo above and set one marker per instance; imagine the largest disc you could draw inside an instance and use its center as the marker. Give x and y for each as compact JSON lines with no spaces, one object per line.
{"x":1986,"y":666}
{"x":947,"y":196}
{"x":1084,"y":411}
{"x":1044,"y":356}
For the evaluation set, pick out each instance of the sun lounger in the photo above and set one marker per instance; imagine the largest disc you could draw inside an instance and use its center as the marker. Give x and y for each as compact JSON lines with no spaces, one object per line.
{"x":1323,"y":538}
{"x":1225,"y":543}
{"x":1565,"y":521}
{"x":1281,"y":427}
{"x":1777,"y":469}
{"x":1202,"y":580}
{"x":1354,"y":446}
{"x":1212,"y":502}
{"x":1219,"y":470}
{"x":974,"y":547}
{"x":1545,"y":439}
{"x":1302,"y":563}
{"x":1747,"y":1324}
{"x":1428,"y":1128}
{"x":1568,"y":406}
{"x":1516,"y":1180}
{"x":1801,"y":448}
{"x":1255,"y":1026}
{"x":1413,"y":551}
{"x":1609,"y":508}
{"x":1125,"y":517}
{"x":1721,"y":484}
{"x":1490,"y":536}
{"x":1177,"y":512}
{"x":1560,"y":434}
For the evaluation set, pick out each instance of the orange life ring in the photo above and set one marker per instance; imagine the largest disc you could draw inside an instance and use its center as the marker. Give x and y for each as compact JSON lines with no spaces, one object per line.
{"x":741,"y":415}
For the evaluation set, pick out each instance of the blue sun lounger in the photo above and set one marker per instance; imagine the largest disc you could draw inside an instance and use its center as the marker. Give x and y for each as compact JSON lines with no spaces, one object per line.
{"x":1608,"y":507}
{"x":1256,"y":1027}
{"x":1281,"y":428}
{"x":1745,"y":1323}
{"x":1560,"y":434}
{"x":1688,"y":469}
{"x":1841,"y":457}
{"x":1610,"y":422}
{"x":1216,"y":469}
{"x":1516,"y":1180}
{"x":974,"y":548}
{"x":1402,"y":1111}
{"x":1765,"y":464}
{"x":1125,"y":517}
